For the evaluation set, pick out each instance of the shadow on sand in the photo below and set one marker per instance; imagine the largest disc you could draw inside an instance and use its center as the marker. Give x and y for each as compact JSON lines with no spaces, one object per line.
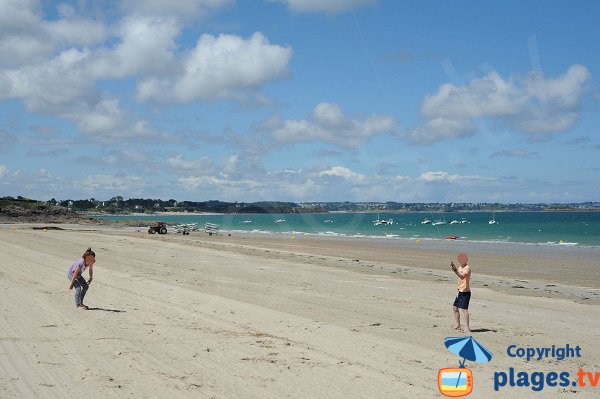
{"x":483,"y":330}
{"x":108,"y":310}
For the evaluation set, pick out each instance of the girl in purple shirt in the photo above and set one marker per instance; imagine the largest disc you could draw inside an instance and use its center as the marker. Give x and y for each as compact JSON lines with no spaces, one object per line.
{"x":75,"y":274}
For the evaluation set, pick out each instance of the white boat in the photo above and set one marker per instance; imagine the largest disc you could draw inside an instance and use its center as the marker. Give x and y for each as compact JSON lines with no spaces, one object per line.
{"x":426,"y":221}
{"x":280,"y":221}
{"x":437,"y":223}
{"x":184,"y":228}
{"x":464,"y":221}
{"x":493,"y":221}
{"x":247,"y":221}
{"x":454,"y":222}
{"x":328,"y":221}
{"x":379,"y":222}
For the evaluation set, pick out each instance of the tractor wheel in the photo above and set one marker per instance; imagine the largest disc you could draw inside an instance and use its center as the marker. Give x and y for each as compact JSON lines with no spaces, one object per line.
{"x":163,"y":230}
{"x":151,"y":231}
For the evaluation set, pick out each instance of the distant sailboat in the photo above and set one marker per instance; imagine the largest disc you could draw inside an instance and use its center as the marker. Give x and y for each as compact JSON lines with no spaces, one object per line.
{"x":493,"y":221}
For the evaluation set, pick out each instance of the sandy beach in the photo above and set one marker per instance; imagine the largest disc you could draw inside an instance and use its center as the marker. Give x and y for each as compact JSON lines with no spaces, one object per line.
{"x":257,"y":316}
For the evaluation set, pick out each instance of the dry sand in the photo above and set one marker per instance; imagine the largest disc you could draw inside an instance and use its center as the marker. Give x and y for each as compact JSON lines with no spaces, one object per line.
{"x":274,"y":317}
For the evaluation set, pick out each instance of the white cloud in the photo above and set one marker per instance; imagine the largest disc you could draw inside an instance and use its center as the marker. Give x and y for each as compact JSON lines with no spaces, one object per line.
{"x":19,"y":15}
{"x":54,"y":66}
{"x":49,"y":87}
{"x":203,"y":165}
{"x":220,"y":66}
{"x":530,"y":103}
{"x":146,"y":45}
{"x":22,"y":49}
{"x":76,"y":31}
{"x":330,"y":125}
{"x":344,"y":173}
{"x":329,"y":6}
{"x":194,"y":182}
{"x":3,"y":171}
{"x":445,"y":177}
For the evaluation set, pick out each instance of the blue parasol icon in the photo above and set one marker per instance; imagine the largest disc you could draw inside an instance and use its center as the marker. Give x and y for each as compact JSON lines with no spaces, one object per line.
{"x":469,"y":349}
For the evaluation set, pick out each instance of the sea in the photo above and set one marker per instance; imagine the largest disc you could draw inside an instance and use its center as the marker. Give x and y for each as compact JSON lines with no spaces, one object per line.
{"x":541,"y":228}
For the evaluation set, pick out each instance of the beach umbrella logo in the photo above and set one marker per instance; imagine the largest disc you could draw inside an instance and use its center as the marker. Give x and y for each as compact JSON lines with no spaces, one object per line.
{"x":458,"y":381}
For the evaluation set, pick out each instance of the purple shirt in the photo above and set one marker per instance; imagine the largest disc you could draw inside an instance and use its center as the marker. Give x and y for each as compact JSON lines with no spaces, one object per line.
{"x":80,"y":264}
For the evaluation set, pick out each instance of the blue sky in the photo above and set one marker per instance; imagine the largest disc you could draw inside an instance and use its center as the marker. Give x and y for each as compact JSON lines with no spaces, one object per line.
{"x":300,"y":100}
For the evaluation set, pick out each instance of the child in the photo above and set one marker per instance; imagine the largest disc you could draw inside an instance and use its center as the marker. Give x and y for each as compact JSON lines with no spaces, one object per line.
{"x":464,"y":291}
{"x":75,"y":274}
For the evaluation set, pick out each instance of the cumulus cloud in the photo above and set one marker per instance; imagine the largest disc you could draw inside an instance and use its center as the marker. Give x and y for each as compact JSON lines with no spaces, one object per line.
{"x":220,"y":66}
{"x":529,"y":103}
{"x":344,"y":173}
{"x":56,"y":67}
{"x":328,"y":6}
{"x":330,"y":125}
{"x":19,"y":15}
{"x":146,"y":45}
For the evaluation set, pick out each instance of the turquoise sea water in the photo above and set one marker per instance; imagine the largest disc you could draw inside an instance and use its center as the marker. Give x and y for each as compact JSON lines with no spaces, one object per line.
{"x":550,"y":228}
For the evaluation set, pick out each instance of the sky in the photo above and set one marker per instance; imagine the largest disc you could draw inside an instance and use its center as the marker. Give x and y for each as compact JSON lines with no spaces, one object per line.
{"x":300,"y":100}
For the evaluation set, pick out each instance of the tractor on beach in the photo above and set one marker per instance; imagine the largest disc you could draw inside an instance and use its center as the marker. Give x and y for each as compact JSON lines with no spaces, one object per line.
{"x":159,"y":227}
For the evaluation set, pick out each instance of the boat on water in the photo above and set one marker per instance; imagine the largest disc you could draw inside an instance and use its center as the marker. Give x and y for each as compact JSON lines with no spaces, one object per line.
{"x":438,"y":223}
{"x":328,"y":221}
{"x":379,"y":222}
{"x":464,"y":221}
{"x":280,"y":221}
{"x":247,"y":221}
{"x":454,"y":222}
{"x":452,"y":238}
{"x":426,"y":221}
{"x":493,"y":221}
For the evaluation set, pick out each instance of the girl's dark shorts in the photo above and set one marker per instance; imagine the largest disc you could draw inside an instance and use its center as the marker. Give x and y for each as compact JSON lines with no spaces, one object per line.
{"x":462,"y":300}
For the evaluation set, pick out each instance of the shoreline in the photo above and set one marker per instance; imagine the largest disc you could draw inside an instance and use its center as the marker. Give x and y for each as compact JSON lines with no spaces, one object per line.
{"x":522,"y":269}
